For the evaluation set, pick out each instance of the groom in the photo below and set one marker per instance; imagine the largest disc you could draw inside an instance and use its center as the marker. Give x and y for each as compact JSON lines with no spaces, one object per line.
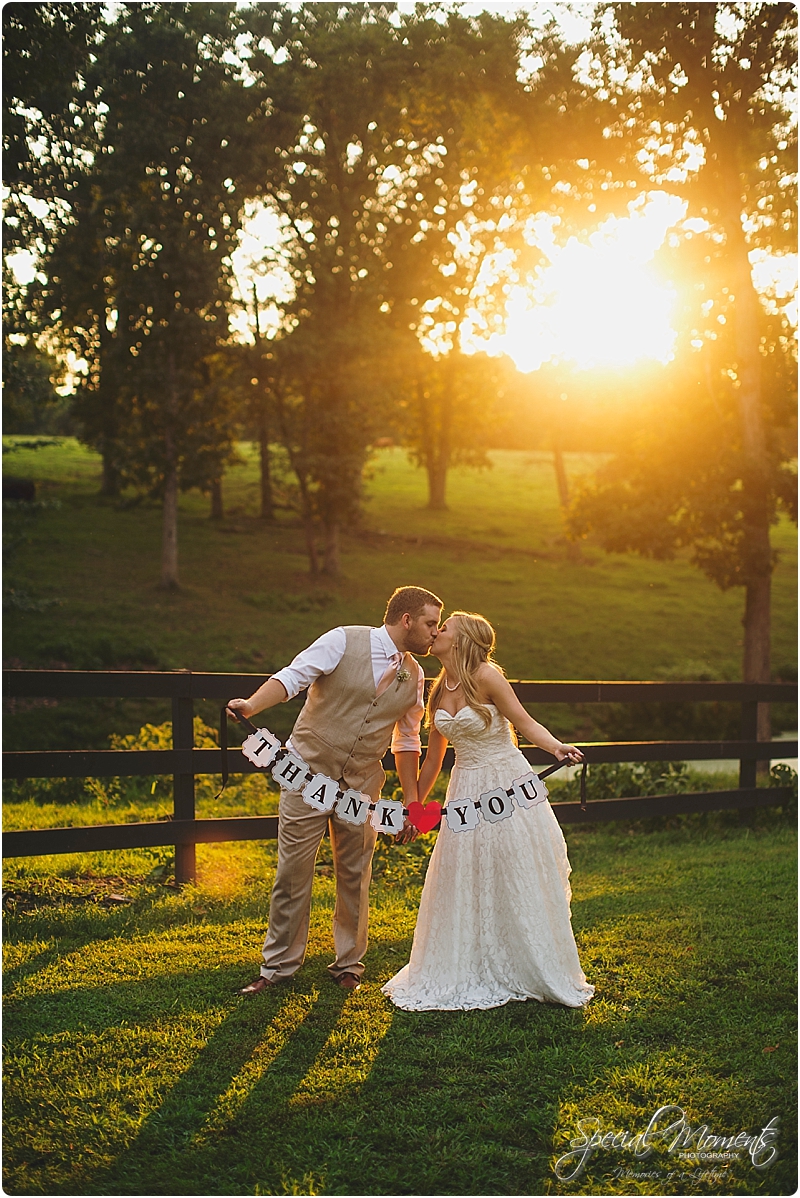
{"x":364,"y":689}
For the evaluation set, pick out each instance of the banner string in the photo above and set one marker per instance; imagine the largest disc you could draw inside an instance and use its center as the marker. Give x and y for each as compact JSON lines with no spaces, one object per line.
{"x":252,"y":728}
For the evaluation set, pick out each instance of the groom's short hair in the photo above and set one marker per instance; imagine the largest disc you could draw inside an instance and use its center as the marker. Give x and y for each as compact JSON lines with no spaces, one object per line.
{"x":410,"y":601}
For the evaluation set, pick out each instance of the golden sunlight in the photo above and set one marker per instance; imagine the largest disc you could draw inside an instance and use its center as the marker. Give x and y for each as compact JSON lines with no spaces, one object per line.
{"x":596,"y":303}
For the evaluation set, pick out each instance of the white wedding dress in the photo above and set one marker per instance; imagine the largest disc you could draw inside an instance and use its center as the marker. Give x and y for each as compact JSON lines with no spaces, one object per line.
{"x":494,"y":919}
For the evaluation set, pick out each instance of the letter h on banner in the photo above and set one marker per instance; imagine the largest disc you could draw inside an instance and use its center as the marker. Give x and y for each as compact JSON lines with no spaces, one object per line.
{"x":290,"y":772}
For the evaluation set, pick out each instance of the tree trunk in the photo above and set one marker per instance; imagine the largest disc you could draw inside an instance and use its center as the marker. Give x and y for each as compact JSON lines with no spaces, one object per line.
{"x":755,"y":480}
{"x":441,"y":440}
{"x":109,"y":485}
{"x":332,"y":548}
{"x":437,"y":484}
{"x":561,"y":474}
{"x":169,"y":540}
{"x":267,"y":503}
{"x":217,"y":510}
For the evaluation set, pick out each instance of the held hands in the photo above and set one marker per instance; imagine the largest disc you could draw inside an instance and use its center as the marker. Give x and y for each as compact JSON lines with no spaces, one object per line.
{"x":406,"y":834}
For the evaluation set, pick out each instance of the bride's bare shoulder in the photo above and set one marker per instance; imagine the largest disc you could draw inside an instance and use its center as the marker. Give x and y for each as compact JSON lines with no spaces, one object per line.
{"x":488,"y":676}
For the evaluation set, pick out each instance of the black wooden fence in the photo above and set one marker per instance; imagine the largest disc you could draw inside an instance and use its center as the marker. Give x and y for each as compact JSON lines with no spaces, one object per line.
{"x":184,"y":761}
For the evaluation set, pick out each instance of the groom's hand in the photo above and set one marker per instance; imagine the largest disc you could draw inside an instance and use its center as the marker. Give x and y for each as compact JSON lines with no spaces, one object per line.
{"x":406,"y":834}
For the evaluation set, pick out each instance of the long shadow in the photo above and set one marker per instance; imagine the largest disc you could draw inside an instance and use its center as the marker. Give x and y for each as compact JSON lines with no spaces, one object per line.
{"x":168,"y":1155}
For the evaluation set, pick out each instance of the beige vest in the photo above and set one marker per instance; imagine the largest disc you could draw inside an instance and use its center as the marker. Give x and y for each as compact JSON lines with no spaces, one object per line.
{"x":344,"y":730}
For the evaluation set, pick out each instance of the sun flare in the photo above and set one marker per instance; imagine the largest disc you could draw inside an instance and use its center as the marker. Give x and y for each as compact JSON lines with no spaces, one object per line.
{"x":596,"y":303}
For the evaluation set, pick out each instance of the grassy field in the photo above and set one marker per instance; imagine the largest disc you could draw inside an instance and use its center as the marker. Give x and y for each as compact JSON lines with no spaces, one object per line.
{"x":82,"y":587}
{"x":131,"y":1068}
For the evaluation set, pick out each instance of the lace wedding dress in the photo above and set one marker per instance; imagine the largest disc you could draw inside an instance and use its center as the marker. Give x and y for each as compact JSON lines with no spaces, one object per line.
{"x":494,"y":919}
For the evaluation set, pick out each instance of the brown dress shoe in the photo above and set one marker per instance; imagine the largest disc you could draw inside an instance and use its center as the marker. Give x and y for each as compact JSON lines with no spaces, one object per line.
{"x":348,"y":981}
{"x":256,"y":987}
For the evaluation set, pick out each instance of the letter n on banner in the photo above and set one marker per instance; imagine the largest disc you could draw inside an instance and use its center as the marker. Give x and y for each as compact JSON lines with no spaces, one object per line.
{"x":496,"y":805}
{"x":353,"y":807}
{"x":461,"y":815}
{"x":320,"y":793}
{"x":388,"y":816}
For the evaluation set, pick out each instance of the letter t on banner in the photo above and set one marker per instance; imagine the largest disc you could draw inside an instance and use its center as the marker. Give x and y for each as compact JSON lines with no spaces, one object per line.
{"x":261,"y":748}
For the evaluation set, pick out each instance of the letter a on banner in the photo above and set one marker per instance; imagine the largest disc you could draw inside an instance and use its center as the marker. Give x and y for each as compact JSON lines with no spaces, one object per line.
{"x":529,"y":790}
{"x":320,"y":793}
{"x":461,"y":815}
{"x":388,"y":816}
{"x":353,"y":807}
{"x":496,"y":805}
{"x":261,"y":748}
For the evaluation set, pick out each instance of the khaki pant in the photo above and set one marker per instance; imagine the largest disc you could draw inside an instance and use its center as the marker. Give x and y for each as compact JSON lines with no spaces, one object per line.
{"x":300,"y":830}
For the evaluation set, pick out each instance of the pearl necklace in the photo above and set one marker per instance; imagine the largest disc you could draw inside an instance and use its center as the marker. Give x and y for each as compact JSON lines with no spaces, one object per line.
{"x":451,"y":688}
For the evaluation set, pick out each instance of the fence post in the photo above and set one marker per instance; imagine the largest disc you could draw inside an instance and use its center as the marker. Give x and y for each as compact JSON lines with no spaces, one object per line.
{"x":747,"y":769}
{"x":183,"y":786}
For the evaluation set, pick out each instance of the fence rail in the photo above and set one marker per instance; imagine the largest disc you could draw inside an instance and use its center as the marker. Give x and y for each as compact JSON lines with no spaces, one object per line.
{"x":184,"y":761}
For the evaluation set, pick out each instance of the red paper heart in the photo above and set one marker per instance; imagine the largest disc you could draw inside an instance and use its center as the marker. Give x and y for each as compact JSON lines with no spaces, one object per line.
{"x":424,"y":816}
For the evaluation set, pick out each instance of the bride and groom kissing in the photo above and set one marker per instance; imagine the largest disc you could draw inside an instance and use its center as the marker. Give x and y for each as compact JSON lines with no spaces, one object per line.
{"x":494,"y":917}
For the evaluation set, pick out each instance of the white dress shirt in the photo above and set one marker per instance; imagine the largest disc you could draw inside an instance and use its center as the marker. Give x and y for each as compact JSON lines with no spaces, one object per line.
{"x":324,"y":655}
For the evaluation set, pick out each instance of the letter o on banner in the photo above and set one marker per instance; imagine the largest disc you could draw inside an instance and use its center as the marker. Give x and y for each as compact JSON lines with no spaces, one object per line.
{"x":496,"y":805}
{"x":353,"y":807}
{"x":461,"y":815}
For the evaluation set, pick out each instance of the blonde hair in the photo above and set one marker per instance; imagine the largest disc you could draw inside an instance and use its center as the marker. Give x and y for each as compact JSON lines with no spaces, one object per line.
{"x":473,"y":644}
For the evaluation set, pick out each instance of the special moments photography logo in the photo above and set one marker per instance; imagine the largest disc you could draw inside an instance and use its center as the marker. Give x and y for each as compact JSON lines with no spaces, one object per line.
{"x":670,"y":1131}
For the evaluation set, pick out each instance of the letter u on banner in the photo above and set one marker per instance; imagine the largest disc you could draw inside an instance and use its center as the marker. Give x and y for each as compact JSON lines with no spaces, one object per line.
{"x":529,"y":790}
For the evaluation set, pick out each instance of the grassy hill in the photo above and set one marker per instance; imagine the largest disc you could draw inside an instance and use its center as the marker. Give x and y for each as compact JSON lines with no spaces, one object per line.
{"x":81,"y":584}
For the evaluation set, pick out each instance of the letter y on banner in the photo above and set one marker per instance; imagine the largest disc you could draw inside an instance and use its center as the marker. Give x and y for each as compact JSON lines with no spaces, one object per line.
{"x":461,"y":815}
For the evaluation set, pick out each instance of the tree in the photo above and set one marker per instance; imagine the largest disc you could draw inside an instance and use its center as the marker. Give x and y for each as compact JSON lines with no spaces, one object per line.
{"x":30,"y":401}
{"x":136,"y":280}
{"x":361,"y":191}
{"x":697,"y":98}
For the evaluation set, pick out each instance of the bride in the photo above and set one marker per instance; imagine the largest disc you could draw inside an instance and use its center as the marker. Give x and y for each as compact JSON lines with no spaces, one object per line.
{"x":494,"y":919}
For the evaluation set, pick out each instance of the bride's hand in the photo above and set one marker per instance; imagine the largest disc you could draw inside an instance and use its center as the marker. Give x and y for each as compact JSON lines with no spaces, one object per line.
{"x":568,"y":753}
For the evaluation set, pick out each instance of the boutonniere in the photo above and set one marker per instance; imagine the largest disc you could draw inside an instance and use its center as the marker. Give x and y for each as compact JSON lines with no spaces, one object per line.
{"x":402,"y":675}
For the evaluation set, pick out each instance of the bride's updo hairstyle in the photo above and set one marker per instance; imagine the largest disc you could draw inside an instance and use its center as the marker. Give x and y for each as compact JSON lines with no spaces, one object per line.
{"x":473,"y":644}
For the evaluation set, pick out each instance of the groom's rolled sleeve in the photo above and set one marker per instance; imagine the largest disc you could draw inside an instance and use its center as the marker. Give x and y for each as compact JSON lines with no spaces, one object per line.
{"x":405,"y":738}
{"x":321,"y":657}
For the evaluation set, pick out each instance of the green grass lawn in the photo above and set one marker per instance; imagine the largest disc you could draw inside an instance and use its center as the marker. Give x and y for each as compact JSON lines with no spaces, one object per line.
{"x":131,"y":1068}
{"x":81,"y":587}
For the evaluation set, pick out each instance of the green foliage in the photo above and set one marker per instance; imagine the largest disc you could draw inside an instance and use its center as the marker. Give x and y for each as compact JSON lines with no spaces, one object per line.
{"x":30,"y":403}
